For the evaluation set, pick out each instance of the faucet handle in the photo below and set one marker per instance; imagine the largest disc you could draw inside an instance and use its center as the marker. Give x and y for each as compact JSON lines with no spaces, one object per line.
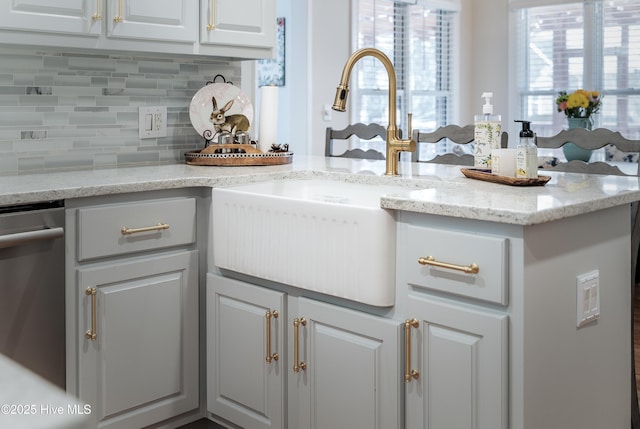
{"x":409,"y":117}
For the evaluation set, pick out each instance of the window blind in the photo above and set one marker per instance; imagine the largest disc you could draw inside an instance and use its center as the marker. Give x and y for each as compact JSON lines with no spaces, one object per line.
{"x":593,"y":45}
{"x":420,"y":41}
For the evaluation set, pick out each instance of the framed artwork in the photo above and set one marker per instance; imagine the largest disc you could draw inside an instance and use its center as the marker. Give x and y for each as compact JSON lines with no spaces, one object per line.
{"x":271,"y":71}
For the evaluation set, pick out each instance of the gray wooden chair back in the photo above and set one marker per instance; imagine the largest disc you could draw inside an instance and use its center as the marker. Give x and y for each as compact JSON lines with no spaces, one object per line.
{"x":360,"y":130}
{"x":591,"y":140}
{"x":455,"y":134}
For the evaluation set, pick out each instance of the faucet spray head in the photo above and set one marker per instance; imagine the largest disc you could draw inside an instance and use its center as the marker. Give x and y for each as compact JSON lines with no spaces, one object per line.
{"x":340,"y":102}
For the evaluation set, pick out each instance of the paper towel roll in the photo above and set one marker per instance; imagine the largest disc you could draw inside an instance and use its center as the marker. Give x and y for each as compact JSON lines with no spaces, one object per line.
{"x":268,"y":131}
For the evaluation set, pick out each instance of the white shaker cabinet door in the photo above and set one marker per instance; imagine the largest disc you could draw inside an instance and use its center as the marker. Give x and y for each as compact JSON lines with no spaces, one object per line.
{"x":141,"y":367}
{"x":51,"y":16}
{"x":459,"y":356}
{"x":249,"y":23}
{"x":170,"y":20}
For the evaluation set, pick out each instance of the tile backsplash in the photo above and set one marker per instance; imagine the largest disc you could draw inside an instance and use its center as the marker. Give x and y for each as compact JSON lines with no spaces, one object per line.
{"x":61,"y":110}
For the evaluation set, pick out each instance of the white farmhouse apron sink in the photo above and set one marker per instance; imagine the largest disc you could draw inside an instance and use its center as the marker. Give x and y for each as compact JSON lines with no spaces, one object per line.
{"x":321,"y":235}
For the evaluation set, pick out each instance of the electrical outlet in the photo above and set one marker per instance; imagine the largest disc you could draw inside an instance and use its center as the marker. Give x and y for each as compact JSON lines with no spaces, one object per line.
{"x":587,"y":298}
{"x":152,"y":122}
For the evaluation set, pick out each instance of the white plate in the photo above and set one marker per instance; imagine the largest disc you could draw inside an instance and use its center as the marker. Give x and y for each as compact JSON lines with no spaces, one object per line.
{"x":202,"y":105}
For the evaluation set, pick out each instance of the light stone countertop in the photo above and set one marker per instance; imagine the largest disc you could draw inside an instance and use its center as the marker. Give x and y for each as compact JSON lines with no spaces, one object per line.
{"x":426,"y":188}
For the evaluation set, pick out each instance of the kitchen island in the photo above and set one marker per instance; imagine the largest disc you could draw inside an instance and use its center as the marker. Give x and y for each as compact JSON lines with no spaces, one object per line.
{"x":503,"y":344}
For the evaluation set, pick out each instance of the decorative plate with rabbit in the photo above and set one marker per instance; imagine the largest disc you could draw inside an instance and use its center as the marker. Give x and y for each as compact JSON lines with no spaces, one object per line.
{"x":220,"y":107}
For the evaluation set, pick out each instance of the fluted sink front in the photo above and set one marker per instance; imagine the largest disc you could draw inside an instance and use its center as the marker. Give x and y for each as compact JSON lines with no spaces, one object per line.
{"x":327,"y":236}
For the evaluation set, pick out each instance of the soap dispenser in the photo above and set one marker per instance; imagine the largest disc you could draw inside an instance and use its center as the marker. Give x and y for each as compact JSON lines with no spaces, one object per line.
{"x":487,"y":132}
{"x":527,"y":153}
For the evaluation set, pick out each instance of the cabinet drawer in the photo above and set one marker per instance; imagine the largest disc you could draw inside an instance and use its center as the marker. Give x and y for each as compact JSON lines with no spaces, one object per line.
{"x":125,"y":228}
{"x":460,"y":250}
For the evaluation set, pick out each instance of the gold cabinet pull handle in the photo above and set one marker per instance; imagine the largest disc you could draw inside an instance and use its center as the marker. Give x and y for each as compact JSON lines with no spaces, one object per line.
{"x":98,"y":15}
{"x":159,"y":227}
{"x":212,"y":24}
{"x":270,"y":356}
{"x":92,"y":334}
{"x":297,"y":366}
{"x":408,"y":372}
{"x":118,"y":17}
{"x":468,"y":269}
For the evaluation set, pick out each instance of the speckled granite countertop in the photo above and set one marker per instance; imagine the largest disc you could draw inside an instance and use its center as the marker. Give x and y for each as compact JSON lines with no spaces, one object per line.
{"x":427,"y":188}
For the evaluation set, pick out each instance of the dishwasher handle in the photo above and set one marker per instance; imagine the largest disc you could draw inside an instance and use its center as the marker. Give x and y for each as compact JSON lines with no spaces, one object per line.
{"x":22,"y":238}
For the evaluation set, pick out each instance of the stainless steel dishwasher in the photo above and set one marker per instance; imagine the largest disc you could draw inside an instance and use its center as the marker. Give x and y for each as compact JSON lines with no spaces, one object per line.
{"x":32,"y":328}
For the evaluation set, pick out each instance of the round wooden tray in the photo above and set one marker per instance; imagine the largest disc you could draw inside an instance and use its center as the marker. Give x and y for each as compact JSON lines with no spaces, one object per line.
{"x":249,"y":156}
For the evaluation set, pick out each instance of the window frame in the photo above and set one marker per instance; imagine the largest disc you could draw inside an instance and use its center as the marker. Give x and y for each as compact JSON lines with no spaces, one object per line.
{"x":447,"y":88}
{"x":594,"y":54}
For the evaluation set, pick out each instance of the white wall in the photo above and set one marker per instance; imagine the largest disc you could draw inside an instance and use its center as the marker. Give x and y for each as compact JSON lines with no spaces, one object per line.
{"x":294,"y":74}
{"x":319,"y":42}
{"x":485,"y":61}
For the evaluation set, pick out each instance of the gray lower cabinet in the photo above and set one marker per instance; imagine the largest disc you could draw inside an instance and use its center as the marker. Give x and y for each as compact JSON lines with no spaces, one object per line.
{"x":315,"y":365}
{"x":242,"y":386}
{"x":455,"y":284}
{"x":498,"y":340}
{"x":132,"y":281}
{"x":457,"y":369}
{"x":142,"y":365}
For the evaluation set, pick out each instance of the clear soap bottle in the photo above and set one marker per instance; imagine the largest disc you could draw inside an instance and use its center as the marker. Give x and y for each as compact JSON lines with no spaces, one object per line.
{"x":527,"y":153}
{"x":488,"y":128}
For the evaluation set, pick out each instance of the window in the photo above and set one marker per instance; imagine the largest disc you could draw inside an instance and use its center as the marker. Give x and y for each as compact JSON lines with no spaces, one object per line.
{"x":420,"y":41}
{"x":593,"y":45}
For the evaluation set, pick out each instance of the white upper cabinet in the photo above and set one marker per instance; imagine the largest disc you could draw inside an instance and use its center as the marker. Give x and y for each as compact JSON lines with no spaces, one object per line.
{"x":238,"y":22}
{"x":170,"y":20}
{"x":243,"y":29}
{"x":52,"y":16}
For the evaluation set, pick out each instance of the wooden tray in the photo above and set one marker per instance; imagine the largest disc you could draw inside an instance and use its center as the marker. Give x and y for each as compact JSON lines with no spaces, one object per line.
{"x":487,"y":176}
{"x":249,"y":156}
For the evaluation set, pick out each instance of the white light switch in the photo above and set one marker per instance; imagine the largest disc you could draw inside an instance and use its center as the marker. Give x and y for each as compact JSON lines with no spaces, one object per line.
{"x":587,"y":298}
{"x":152,"y":122}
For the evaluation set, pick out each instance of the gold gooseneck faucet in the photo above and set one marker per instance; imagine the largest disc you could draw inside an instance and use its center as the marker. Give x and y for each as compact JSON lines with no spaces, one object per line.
{"x":395,"y":144}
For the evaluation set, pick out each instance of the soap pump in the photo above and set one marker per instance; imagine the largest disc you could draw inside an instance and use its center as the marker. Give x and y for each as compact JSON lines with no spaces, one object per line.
{"x":488,"y":129}
{"x":487,"y":107}
{"x":526,"y":153}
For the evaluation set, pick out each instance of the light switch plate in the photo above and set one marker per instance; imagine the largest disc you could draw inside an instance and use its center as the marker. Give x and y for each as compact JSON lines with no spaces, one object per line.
{"x":152,"y":122}
{"x":587,"y":298}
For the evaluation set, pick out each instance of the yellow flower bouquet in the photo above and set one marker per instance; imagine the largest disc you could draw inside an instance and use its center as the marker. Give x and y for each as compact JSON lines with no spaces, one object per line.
{"x":579,"y":104}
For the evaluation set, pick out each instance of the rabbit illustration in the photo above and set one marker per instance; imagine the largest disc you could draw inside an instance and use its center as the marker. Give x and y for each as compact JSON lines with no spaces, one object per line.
{"x":231,"y":123}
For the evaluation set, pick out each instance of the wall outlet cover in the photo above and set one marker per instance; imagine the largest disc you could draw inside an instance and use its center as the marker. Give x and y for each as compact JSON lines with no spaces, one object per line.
{"x":152,"y":122}
{"x":587,"y":298}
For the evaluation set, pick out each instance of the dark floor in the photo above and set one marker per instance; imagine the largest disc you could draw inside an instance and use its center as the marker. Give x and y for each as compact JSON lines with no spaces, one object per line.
{"x":201,"y":424}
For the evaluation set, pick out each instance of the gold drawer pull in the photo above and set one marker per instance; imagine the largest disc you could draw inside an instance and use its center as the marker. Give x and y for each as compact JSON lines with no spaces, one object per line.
{"x":270,"y":356}
{"x":212,"y":24}
{"x":118,"y":17}
{"x":430,"y":260}
{"x":92,"y":334}
{"x":297,"y":366}
{"x":98,"y":15}
{"x":408,"y":372}
{"x":159,"y":227}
